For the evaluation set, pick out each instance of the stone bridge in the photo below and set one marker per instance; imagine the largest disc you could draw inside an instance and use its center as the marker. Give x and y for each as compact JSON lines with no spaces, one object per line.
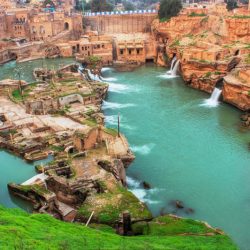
{"x":120,"y":22}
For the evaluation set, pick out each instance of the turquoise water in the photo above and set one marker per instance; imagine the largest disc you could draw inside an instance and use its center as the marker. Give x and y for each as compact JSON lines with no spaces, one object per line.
{"x":12,"y":168}
{"x":185,"y":151}
{"x":10,"y":70}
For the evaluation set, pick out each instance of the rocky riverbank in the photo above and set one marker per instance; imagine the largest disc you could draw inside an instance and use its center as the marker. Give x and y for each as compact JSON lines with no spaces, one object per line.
{"x":60,"y":115}
{"x":208,"y":55}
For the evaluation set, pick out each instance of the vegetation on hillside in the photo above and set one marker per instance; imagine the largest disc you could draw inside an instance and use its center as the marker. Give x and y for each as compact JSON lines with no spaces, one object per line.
{"x":19,"y":230}
{"x":169,"y":8}
{"x":231,"y":4}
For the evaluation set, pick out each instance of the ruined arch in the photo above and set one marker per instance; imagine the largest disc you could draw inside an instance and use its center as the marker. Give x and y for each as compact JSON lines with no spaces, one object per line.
{"x":219,"y":83}
{"x":70,"y":150}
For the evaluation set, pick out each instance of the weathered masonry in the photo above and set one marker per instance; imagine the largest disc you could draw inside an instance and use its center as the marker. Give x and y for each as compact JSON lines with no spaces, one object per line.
{"x":130,"y":23}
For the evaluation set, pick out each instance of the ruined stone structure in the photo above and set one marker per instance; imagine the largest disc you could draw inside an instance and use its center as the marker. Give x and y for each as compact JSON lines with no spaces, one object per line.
{"x":131,"y":50}
{"x":101,"y":46}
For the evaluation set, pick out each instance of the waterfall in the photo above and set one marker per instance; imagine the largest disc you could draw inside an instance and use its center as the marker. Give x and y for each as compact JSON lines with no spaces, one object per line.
{"x":213,"y":101}
{"x":93,"y":77}
{"x":172,"y":63}
{"x":169,"y":72}
{"x":175,"y":68}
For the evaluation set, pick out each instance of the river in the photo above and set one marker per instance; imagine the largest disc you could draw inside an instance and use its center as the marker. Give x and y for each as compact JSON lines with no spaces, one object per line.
{"x":186,"y":151}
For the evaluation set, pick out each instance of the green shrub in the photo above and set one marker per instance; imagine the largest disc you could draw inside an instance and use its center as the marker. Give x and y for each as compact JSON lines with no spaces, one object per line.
{"x":193,"y":14}
{"x":169,"y":8}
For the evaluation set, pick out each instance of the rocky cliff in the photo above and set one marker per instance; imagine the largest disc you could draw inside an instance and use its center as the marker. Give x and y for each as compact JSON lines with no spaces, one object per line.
{"x":209,"y":46}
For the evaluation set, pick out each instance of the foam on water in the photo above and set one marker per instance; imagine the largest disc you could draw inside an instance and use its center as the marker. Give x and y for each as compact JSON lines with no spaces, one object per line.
{"x":114,"y":105}
{"x":142,"y":194}
{"x":108,"y":79}
{"x":118,"y":88}
{"x":105,"y":69}
{"x":112,"y":120}
{"x":144,"y":149}
{"x":213,"y":101}
{"x":168,"y":75}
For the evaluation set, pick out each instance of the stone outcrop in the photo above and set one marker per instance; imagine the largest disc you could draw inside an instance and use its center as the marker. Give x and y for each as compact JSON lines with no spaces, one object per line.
{"x":236,"y":92}
{"x":209,"y":46}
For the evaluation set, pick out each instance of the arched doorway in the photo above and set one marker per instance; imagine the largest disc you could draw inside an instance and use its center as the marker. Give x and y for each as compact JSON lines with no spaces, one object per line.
{"x":66,"y":26}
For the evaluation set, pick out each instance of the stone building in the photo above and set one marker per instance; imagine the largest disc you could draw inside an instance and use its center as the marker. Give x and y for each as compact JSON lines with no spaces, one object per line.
{"x":133,"y":50}
{"x":40,"y":23}
{"x":89,"y":46}
{"x":44,"y":26}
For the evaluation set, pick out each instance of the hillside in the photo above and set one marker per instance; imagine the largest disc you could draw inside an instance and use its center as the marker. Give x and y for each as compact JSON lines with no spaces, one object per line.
{"x":19,"y":230}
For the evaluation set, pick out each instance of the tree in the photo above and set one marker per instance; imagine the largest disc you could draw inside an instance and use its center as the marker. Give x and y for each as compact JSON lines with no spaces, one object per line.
{"x":101,"y":5}
{"x":231,"y":4}
{"x":244,"y":1}
{"x":128,"y":5}
{"x":169,"y":8}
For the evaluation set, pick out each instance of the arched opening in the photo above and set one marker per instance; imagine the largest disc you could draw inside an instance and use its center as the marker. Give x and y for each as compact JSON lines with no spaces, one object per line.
{"x":218,"y":57}
{"x":70,"y":150}
{"x":237,"y":52}
{"x":66,"y":26}
{"x":42,"y":30}
{"x":13,"y":56}
{"x":219,"y":83}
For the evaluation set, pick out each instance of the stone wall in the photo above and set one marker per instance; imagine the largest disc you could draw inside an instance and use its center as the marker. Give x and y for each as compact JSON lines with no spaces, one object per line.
{"x":113,"y":24}
{"x":70,"y":99}
{"x":238,"y":29}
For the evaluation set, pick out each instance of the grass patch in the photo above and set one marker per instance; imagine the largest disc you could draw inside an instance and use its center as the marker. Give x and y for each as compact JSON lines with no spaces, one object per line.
{"x":193,"y":14}
{"x":208,"y":74}
{"x":111,"y":131}
{"x":247,"y":59}
{"x":109,"y":205}
{"x":19,"y":230}
{"x":164,"y":19}
{"x":90,"y":122}
{"x":175,"y":43}
{"x":241,"y":16}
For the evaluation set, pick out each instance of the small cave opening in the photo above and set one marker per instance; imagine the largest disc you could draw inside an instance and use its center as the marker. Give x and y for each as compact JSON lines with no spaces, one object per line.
{"x":219,"y":83}
{"x":237,"y":52}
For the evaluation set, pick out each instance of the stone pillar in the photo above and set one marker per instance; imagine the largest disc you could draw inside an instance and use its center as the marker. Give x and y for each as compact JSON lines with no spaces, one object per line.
{"x":126,"y":217}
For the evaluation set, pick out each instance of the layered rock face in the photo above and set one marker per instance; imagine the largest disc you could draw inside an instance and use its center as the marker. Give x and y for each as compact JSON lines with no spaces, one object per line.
{"x":238,"y":29}
{"x":209,"y":46}
{"x":236,"y":89}
{"x":201,"y":75}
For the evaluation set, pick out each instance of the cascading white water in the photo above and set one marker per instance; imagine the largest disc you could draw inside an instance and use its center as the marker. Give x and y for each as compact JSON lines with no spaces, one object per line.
{"x":175,"y":68}
{"x":213,"y":101}
{"x":172,"y":66}
{"x":93,"y":77}
{"x":172,"y":73}
{"x":172,"y":63}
